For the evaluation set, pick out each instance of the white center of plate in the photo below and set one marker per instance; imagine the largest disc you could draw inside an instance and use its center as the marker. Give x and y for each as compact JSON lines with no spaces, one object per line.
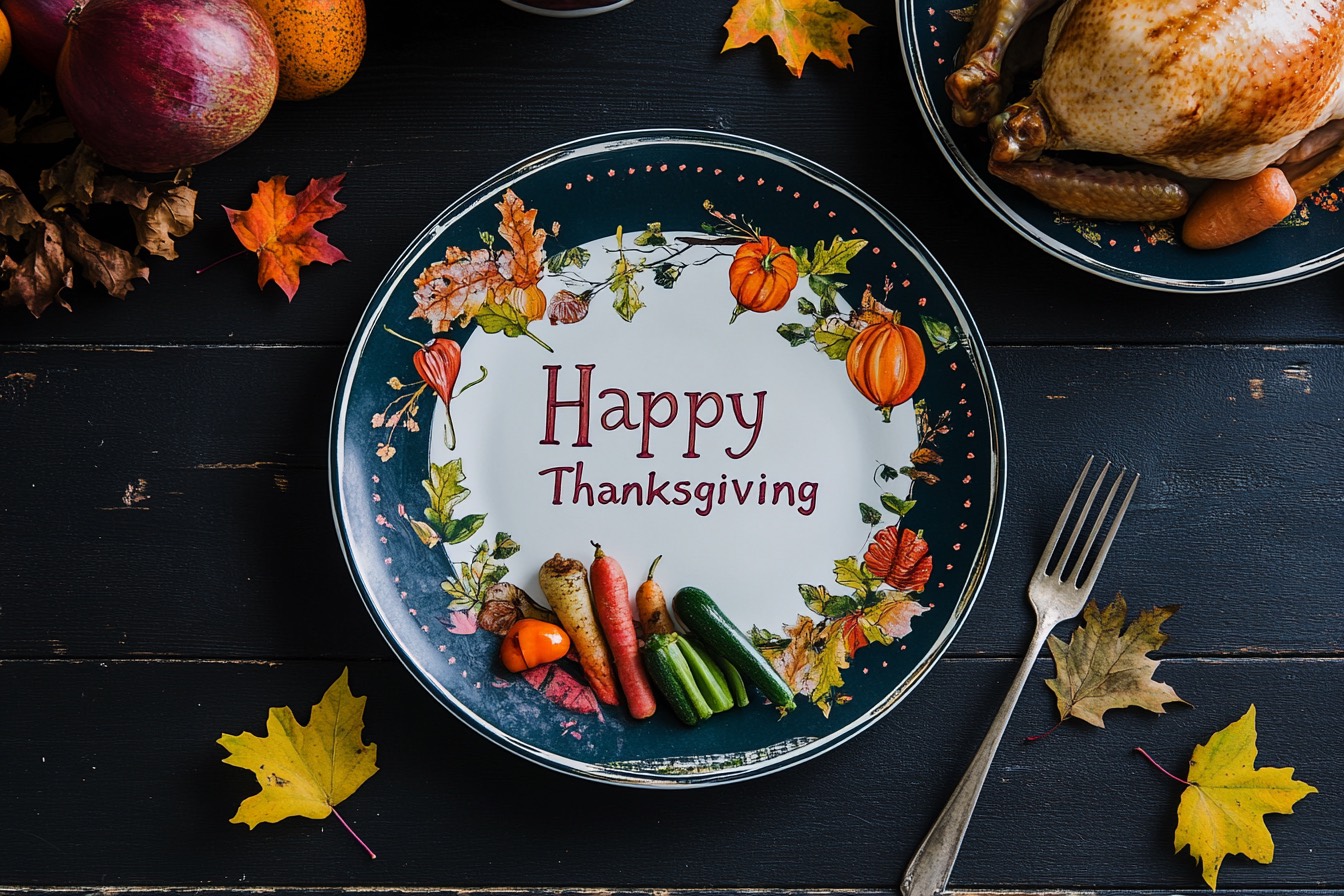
{"x":745,"y":467}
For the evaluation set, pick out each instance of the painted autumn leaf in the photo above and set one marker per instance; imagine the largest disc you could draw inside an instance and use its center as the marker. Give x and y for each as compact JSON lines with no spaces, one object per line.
{"x":1222,"y":810}
{"x":305,"y":770}
{"x":799,"y":28}
{"x":496,"y":288}
{"x":279,"y":228}
{"x":1106,"y":666}
{"x":523,"y":262}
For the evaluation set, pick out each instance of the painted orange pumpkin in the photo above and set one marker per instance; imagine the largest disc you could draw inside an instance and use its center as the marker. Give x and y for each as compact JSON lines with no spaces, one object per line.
{"x":762,"y":275}
{"x":885,"y":362}
{"x":529,"y":302}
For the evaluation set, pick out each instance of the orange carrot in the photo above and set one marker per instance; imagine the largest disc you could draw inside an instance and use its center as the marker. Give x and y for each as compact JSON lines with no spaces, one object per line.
{"x":564,"y":583}
{"x":611,"y":598}
{"x":1229,"y":211}
{"x":652,"y":606}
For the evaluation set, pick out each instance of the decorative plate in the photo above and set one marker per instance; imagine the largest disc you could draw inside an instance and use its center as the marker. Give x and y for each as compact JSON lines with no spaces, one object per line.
{"x":1309,"y":241}
{"x":653,"y":330}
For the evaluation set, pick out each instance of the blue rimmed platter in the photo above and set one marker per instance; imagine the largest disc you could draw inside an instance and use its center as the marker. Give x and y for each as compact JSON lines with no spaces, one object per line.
{"x":644,"y":340}
{"x":1309,"y":241}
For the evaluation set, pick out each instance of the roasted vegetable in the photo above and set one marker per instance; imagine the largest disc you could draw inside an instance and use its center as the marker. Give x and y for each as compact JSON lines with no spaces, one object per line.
{"x":531,"y":642}
{"x":703,"y":618}
{"x":611,"y":599}
{"x":672,"y":675}
{"x":564,"y":583}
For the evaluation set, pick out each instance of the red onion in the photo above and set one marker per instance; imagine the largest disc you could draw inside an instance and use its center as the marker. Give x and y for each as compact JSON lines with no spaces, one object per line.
{"x":157,"y":85}
{"x":39,"y":30}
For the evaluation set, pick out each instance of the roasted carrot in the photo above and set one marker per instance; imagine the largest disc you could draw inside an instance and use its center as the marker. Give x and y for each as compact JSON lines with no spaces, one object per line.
{"x":611,"y":598}
{"x":564,"y":583}
{"x":1229,"y":211}
{"x":652,"y":606}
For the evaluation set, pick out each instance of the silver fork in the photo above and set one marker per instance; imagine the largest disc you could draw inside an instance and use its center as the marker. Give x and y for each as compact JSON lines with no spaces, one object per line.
{"x":1056,"y":594}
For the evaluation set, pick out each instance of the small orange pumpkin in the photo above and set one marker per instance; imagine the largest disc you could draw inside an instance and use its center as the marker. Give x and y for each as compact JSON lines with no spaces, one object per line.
{"x":762,"y":275}
{"x":885,"y":362}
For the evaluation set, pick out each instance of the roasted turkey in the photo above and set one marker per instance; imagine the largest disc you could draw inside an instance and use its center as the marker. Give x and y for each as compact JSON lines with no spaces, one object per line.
{"x":1192,"y":90}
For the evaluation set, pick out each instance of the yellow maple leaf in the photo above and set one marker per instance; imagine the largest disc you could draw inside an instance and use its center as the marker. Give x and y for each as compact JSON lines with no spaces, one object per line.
{"x":305,"y":770}
{"x":1106,"y":666}
{"x":1222,"y":810}
{"x":799,"y":28}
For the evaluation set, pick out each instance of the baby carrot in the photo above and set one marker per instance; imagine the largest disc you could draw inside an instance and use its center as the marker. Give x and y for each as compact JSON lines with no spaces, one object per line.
{"x":611,"y":599}
{"x":564,"y":583}
{"x":1229,"y":211}
{"x":652,"y":606}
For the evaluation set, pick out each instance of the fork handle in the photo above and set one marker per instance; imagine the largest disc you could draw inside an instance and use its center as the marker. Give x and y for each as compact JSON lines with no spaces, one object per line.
{"x":929,"y":870}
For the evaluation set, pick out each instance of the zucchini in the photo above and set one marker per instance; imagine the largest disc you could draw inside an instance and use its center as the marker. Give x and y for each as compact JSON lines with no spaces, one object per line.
{"x":708,"y":677}
{"x":698,"y":612}
{"x":735,"y":683}
{"x":672,"y":676}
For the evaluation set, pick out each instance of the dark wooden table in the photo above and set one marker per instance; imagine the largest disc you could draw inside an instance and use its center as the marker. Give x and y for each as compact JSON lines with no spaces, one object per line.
{"x":171,"y":568}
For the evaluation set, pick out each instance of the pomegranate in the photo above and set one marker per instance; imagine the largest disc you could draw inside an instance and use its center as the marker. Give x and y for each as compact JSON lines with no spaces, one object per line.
{"x":158,"y":85}
{"x":39,"y":30}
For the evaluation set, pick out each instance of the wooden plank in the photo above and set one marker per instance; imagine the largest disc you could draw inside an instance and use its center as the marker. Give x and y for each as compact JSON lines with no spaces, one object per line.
{"x":113,"y":779}
{"x":579,"y":891}
{"x":440,"y":88}
{"x":205,"y":531}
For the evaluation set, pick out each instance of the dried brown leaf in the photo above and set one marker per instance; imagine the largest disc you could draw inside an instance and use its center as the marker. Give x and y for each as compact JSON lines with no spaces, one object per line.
{"x":70,"y":182}
{"x":1106,"y":666}
{"x":100,"y":262}
{"x":17,"y":214}
{"x":36,"y":281}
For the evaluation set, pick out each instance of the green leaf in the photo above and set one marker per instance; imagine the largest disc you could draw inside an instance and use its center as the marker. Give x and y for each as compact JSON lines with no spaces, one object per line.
{"x":652,"y":235}
{"x":806,"y":307}
{"x":666,"y":275}
{"x":851,"y":573}
{"x":445,"y":490}
{"x":458,"y":591}
{"x":871,"y":516}
{"x":761,"y":637}
{"x":828,"y":307}
{"x":502,"y":318}
{"x":626,"y":289}
{"x":887,"y":472}
{"x":815,"y":596}
{"x":898,"y":506}
{"x":474,"y":579}
{"x":832,"y":259}
{"x":796,"y":334}
{"x":576,"y":257}
{"x":833,"y":337}
{"x":940,"y":334}
{"x":825,"y":287}
{"x":839,"y":605}
{"x":505,"y":546}
{"x":458,"y":531}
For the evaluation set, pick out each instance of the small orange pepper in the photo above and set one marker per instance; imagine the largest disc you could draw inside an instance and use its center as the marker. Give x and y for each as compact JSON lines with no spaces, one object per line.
{"x":531,"y":642}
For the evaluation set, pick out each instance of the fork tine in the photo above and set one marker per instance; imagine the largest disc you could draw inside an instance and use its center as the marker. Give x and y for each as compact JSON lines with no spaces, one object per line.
{"x":1076,"y":571}
{"x":1077,"y":529}
{"x":1049,"y":551}
{"x":1110,"y":535}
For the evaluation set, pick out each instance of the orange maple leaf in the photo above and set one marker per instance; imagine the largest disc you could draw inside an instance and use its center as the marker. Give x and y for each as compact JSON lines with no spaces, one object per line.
{"x":278,"y":227}
{"x":523,"y":265}
{"x":799,"y":28}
